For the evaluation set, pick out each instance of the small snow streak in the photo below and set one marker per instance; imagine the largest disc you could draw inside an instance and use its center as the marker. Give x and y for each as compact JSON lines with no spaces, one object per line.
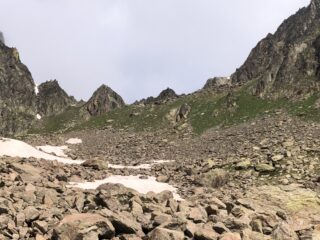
{"x":36,"y":89}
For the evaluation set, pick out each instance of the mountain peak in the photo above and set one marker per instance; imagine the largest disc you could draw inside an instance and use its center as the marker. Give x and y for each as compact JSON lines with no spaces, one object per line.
{"x":103,"y":100}
{"x":167,"y":94}
{"x":52,"y":99}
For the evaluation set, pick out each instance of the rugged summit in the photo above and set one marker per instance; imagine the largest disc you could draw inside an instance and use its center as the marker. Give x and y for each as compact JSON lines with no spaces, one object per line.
{"x":103,"y":100}
{"x":165,"y":95}
{"x":287,"y":63}
{"x":17,"y":93}
{"x":52,"y":99}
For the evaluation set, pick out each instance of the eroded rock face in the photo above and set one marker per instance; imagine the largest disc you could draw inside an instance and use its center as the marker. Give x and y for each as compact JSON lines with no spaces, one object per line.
{"x":52,"y":99}
{"x":103,"y":100}
{"x":287,"y":63}
{"x":17,"y":94}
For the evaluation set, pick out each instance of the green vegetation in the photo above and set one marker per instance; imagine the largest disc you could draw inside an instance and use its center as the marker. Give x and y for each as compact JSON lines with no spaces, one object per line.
{"x":61,"y":122}
{"x":208,"y":111}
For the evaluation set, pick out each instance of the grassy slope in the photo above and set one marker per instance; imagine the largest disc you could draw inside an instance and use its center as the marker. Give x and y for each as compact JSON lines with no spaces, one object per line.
{"x":208,"y":111}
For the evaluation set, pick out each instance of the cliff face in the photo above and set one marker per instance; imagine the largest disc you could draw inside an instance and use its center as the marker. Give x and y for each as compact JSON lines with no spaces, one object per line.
{"x":52,"y":99}
{"x":287,"y":63}
{"x":17,"y":93}
{"x":103,"y":100}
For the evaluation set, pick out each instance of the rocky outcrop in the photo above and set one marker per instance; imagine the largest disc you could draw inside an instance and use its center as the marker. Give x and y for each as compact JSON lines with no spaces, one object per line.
{"x":103,"y":100}
{"x":2,"y":37}
{"x":183,"y":112}
{"x":287,"y":63}
{"x":217,"y":83}
{"x":166,"y":95}
{"x":52,"y":99}
{"x":17,"y":93}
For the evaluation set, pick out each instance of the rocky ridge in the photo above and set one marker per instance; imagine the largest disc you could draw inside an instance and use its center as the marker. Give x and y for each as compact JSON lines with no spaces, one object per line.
{"x":286,"y":63}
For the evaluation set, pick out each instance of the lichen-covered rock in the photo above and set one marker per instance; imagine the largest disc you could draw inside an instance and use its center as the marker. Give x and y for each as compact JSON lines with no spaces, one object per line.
{"x":215,"y":178}
{"x":103,"y":100}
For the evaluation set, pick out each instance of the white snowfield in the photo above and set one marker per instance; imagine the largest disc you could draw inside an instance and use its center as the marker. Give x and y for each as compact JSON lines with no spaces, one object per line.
{"x":16,"y":148}
{"x":74,"y":141}
{"x":134,"y":182}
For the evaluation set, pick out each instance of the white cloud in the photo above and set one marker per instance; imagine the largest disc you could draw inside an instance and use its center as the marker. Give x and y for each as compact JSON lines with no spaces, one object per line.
{"x":138,"y":47}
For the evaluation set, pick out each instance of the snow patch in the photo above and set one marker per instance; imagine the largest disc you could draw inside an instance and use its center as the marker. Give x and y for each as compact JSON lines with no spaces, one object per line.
{"x":38,"y":116}
{"x":36,"y":89}
{"x":74,"y":141}
{"x":141,"y":166}
{"x":141,"y":185}
{"x":16,"y":148}
{"x":55,"y":150}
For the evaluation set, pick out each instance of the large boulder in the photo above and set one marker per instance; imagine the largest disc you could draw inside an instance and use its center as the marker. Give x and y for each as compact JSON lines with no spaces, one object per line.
{"x":83,"y":225}
{"x":165,"y":234}
{"x":103,"y":100}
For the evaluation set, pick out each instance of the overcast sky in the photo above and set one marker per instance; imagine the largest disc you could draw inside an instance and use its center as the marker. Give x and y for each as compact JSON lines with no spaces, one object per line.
{"x":137,"y":47}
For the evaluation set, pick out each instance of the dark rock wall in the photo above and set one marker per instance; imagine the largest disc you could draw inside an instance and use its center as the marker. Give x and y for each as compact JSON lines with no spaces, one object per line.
{"x":17,"y":94}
